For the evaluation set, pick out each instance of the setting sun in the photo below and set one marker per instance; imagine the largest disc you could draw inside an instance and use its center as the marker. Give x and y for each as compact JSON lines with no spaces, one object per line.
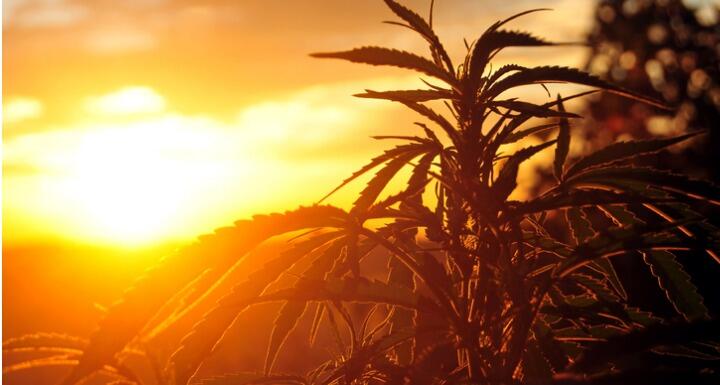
{"x":134,"y":182}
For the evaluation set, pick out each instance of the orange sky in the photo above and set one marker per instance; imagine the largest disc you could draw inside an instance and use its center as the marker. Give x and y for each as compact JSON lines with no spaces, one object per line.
{"x":142,"y":121}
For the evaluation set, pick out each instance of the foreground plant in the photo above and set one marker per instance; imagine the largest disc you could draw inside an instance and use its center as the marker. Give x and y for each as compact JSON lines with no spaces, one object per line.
{"x":478,"y":289}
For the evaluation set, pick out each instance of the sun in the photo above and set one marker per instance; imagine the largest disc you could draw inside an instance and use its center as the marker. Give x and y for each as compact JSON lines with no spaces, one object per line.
{"x":131,"y":173}
{"x":134,"y":182}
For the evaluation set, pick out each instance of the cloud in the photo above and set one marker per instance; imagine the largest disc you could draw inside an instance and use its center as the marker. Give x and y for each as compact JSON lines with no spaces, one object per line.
{"x":126,"y":101}
{"x":18,"y":109}
{"x":134,"y":171}
{"x":42,"y":13}
{"x":119,"y":39}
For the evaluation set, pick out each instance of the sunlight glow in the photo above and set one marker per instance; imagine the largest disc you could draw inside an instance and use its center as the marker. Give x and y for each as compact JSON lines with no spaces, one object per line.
{"x":128,"y":187}
{"x":133,"y":173}
{"x":136,"y":172}
{"x":19,"y":109}
{"x":127,"y":101}
{"x":124,"y":183}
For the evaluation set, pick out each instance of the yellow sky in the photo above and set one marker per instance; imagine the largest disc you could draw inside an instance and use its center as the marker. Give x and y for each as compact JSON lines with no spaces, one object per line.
{"x":142,"y":121}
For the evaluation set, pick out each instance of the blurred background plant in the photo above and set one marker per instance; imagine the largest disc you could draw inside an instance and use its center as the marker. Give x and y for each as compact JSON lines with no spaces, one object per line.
{"x":668,"y":49}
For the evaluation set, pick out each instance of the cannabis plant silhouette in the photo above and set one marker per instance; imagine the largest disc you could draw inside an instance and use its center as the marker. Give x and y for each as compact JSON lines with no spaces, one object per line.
{"x":478,"y":289}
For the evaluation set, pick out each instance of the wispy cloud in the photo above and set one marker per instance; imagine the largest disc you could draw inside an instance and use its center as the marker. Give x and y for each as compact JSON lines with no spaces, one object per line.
{"x":183,"y":174}
{"x":42,"y":13}
{"x":18,"y":109}
{"x":130,"y":100}
{"x":119,"y":39}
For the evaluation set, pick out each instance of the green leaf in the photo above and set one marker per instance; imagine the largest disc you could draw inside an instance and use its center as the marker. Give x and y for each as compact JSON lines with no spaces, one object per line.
{"x":563,"y":143}
{"x":391,"y":57}
{"x":620,"y":151}
{"x":676,"y":284}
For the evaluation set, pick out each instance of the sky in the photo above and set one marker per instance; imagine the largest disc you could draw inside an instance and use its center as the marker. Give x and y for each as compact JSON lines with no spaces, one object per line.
{"x":144,"y":121}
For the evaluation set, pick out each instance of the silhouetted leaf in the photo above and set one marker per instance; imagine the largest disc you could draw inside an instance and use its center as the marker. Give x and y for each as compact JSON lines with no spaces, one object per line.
{"x":249,"y":378}
{"x":219,"y":251}
{"x":518,"y":135}
{"x":563,"y":143}
{"x":502,"y":71}
{"x":579,"y":198}
{"x":422,"y":27}
{"x":618,"y":176}
{"x":532,"y":109}
{"x":535,"y":366}
{"x":369,"y":194}
{"x":378,"y":160}
{"x":44,"y":340}
{"x":595,"y":286}
{"x":351,"y":290}
{"x":640,"y":376}
{"x":391,"y":57}
{"x":402,"y":319}
{"x":435,"y":117}
{"x":290,"y":313}
{"x":199,"y":343}
{"x":493,"y":40}
{"x":677,"y":285}
{"x":638,"y":237}
{"x":652,"y":336}
{"x":550,"y":74}
{"x":506,"y":180}
{"x":580,"y":226}
{"x":624,"y":150}
{"x":416,"y":96}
